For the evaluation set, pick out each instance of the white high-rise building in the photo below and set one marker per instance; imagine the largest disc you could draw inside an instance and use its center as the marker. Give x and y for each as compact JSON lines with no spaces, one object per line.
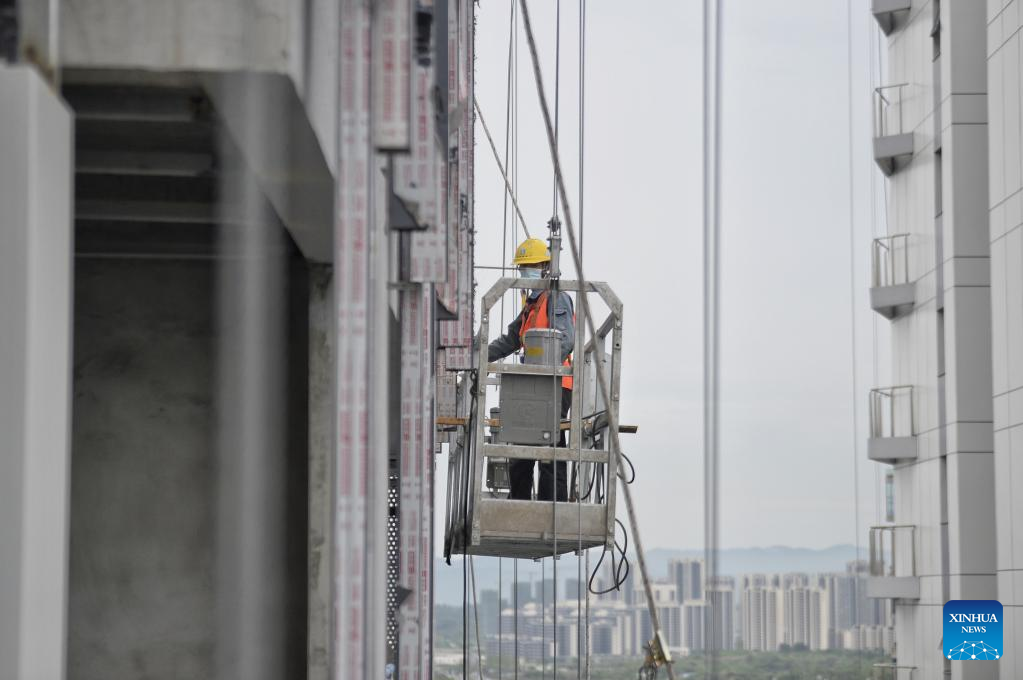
{"x":949,"y":275}
{"x":694,"y":616}
{"x":688,"y":576}
{"x":819,"y":619}
{"x":763,"y":618}
{"x":720,"y":632}
{"x":1005,"y":197}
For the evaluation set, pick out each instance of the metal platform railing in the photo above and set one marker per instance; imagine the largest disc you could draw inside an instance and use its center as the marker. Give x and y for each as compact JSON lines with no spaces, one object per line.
{"x":893,"y":551}
{"x":891,"y":412}
{"x":481,"y":518}
{"x":888,"y":110}
{"x":889,"y":262}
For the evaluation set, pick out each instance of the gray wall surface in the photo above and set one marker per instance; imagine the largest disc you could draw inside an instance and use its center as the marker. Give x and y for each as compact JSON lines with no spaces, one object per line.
{"x":142,"y":525}
{"x":144,"y":557}
{"x":1005,"y":204}
{"x":321,"y":437}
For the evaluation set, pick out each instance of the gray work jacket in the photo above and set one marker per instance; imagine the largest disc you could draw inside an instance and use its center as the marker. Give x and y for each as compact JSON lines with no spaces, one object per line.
{"x":561,"y":321}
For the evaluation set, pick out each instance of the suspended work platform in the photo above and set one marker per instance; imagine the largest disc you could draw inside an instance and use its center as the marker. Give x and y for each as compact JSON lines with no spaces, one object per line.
{"x":481,"y":518}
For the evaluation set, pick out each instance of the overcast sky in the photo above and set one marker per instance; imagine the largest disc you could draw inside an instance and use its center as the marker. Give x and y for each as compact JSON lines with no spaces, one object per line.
{"x":787,"y":394}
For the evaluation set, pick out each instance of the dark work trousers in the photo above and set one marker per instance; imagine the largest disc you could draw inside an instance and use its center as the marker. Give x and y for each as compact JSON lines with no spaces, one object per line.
{"x":521,"y":471}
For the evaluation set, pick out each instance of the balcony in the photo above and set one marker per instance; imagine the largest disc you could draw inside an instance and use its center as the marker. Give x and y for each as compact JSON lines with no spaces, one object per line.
{"x":892,"y":425}
{"x":893,"y":147}
{"x":892,"y":293}
{"x":893,"y":563}
{"x":890,"y":671}
{"x":890,"y":14}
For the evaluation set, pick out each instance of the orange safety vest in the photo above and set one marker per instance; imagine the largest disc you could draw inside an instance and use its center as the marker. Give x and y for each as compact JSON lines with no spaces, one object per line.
{"x":535,"y":316}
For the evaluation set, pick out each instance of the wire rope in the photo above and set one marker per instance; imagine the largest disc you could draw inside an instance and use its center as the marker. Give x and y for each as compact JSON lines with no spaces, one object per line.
{"x":852,"y":292}
{"x":500,"y":613}
{"x":476,"y":616}
{"x":515,"y":176}
{"x":555,"y":296}
{"x":515,"y":614}
{"x":543,"y":621}
{"x":507,"y":140}
{"x":582,"y":625}
{"x":504,"y":264}
{"x":601,"y":383}
{"x":712,"y":34}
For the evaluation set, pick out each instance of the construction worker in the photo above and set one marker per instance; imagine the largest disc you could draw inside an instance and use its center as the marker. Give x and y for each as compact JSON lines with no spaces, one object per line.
{"x":533,"y":259}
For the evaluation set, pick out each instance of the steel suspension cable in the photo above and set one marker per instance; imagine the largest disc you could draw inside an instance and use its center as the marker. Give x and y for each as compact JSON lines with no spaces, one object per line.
{"x":504,"y":262}
{"x":582,"y":138}
{"x":556,"y":383}
{"x":582,"y":116}
{"x":476,"y":616}
{"x":543,"y":621}
{"x":601,"y":383}
{"x":852,"y":295}
{"x":557,"y":90}
{"x":712,"y":33}
{"x":500,"y":613}
{"x":582,"y":629}
{"x":515,"y":614}
{"x":504,"y":213}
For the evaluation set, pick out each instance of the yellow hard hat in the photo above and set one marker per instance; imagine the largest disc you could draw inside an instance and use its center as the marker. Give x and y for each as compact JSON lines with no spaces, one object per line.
{"x":531,"y":251}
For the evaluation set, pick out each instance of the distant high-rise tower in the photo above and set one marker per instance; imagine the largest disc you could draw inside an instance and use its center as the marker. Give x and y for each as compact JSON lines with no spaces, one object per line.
{"x":720,"y":632}
{"x":687,"y":574}
{"x":763,"y":616}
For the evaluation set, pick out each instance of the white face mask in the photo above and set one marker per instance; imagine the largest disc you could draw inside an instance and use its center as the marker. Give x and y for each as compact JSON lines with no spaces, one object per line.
{"x":530,"y":273}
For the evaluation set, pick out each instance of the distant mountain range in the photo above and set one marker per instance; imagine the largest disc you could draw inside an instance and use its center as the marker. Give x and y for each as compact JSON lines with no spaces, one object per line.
{"x":734,"y":561}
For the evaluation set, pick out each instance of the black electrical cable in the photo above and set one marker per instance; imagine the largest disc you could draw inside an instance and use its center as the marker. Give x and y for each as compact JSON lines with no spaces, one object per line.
{"x":620,"y":570}
{"x":631,"y":467}
{"x":598,"y":478}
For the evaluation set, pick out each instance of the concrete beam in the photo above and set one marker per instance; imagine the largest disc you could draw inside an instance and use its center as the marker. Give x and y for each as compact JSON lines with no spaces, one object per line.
{"x":35,"y":375}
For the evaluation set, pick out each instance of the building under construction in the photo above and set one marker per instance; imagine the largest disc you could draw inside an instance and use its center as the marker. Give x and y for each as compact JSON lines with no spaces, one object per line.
{"x":237,"y":292}
{"x":239,"y":326}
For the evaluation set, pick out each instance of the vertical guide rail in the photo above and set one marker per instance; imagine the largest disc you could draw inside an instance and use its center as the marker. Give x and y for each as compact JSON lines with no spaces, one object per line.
{"x":712,"y":17}
{"x":425,"y":461}
{"x":359,"y":554}
{"x":411,"y":475}
{"x":420,"y":177}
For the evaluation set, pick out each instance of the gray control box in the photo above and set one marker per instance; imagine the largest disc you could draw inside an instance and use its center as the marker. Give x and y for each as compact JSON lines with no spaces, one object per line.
{"x":530,"y":409}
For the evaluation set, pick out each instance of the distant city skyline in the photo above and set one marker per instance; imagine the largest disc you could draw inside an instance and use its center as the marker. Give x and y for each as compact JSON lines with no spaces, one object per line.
{"x":760,"y":612}
{"x":733,"y":561}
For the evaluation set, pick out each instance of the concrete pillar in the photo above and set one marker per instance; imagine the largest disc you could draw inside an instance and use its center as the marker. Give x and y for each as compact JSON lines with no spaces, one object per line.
{"x":321,"y":448}
{"x":35,"y":351}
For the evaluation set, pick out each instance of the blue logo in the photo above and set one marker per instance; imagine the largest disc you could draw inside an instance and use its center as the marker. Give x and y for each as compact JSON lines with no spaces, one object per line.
{"x":972,"y":630}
